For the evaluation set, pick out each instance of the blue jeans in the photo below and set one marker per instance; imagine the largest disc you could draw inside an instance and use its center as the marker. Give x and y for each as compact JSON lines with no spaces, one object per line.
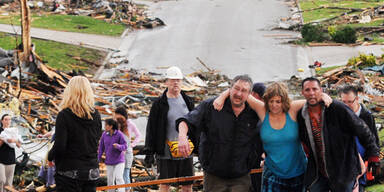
{"x":47,"y":174}
{"x":127,"y":179}
{"x":322,"y":185}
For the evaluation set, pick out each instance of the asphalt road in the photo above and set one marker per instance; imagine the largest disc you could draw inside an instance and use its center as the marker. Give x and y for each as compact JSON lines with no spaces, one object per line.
{"x":233,"y":37}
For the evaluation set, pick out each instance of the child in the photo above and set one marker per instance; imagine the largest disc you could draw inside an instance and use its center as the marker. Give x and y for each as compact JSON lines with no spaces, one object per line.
{"x":123,"y":127}
{"x":129,"y":129}
{"x":112,"y":142}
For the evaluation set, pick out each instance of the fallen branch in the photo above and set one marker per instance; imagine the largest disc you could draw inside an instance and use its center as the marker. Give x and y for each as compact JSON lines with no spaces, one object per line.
{"x":84,"y":60}
{"x":209,"y":69}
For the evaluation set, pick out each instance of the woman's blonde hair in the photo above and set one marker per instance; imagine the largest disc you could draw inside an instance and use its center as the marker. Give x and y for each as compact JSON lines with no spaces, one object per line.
{"x":277,"y":89}
{"x":78,"y":96}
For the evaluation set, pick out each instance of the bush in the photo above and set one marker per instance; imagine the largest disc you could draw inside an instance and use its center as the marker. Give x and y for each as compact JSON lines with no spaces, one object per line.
{"x":311,"y":32}
{"x":331,"y":30}
{"x":344,"y":35}
{"x":366,"y":61}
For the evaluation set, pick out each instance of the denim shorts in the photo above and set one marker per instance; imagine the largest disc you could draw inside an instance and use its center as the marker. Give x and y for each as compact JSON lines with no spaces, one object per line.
{"x":273,"y":183}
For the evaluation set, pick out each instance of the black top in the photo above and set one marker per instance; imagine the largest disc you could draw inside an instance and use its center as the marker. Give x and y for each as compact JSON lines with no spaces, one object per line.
{"x":368,"y":118}
{"x":227,"y":142}
{"x":7,"y":154}
{"x":76,"y":141}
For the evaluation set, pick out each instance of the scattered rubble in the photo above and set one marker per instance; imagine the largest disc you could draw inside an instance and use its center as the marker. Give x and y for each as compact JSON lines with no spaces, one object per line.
{"x":294,"y":20}
{"x":118,"y":11}
{"x":35,"y":97}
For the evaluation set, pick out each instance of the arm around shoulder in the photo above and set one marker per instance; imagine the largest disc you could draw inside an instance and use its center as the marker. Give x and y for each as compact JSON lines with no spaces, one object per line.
{"x":257,"y":106}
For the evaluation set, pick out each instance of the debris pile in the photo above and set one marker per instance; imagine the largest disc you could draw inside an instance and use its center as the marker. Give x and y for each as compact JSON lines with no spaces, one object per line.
{"x":367,"y":73}
{"x":294,"y":20}
{"x":135,"y":90}
{"x":35,"y":96}
{"x":125,"y":12}
{"x":119,"y":11}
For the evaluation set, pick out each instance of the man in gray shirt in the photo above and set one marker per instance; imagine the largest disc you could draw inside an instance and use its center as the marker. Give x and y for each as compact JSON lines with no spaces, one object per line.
{"x":172,"y":105}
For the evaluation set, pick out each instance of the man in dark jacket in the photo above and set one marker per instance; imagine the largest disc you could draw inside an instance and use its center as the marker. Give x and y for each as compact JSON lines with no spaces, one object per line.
{"x":349,"y":96}
{"x":172,"y":105}
{"x":328,"y":133}
{"x":226,"y":141}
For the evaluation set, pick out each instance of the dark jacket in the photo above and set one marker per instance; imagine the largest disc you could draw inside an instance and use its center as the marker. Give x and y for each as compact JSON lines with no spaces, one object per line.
{"x":340,"y":126}
{"x":226,"y":142}
{"x":368,"y":118}
{"x":76,"y":141}
{"x":156,"y":132}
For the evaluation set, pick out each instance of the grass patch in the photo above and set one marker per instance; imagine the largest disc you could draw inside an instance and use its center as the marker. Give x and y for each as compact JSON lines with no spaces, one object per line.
{"x":55,"y":54}
{"x":309,"y":4}
{"x":320,"y":14}
{"x":376,"y":38}
{"x":375,"y":188}
{"x":381,"y":137}
{"x":314,"y":15}
{"x":325,"y":69}
{"x":376,"y":22}
{"x":71,"y":23}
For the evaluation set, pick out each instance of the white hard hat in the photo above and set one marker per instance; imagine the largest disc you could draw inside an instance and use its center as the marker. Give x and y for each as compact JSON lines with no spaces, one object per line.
{"x":174,"y":73}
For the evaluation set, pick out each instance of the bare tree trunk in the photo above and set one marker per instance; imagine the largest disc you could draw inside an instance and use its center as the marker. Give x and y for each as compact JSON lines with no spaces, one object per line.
{"x":25,"y":31}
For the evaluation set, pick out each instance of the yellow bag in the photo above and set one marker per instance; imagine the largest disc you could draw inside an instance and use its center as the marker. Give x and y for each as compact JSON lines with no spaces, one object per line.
{"x":174,"y":148}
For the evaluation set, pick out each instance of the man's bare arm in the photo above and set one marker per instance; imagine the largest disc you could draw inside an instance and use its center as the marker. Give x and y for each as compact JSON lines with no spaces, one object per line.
{"x":184,"y":148}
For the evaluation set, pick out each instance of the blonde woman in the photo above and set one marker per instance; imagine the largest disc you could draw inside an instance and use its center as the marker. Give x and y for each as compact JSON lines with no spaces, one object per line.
{"x":78,"y":130}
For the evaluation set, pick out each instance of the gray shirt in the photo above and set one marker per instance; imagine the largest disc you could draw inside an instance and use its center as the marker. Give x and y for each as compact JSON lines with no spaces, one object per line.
{"x":177,"y":108}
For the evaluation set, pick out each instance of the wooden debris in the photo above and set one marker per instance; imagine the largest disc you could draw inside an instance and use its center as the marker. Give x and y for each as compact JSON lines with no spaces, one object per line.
{"x":201,"y":62}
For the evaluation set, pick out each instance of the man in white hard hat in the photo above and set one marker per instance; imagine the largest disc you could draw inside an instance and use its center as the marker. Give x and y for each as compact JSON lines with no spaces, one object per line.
{"x":172,"y":105}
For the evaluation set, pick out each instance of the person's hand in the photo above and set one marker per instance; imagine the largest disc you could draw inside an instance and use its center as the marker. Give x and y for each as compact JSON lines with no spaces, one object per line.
{"x":11,"y":140}
{"x":149,"y":160}
{"x":184,"y":148}
{"x":51,"y":164}
{"x":374,"y":165}
{"x":218,"y":103}
{"x":115,"y":145}
{"x":40,"y":136}
{"x":262,"y":160}
{"x":326,"y":99}
{"x":262,"y":163}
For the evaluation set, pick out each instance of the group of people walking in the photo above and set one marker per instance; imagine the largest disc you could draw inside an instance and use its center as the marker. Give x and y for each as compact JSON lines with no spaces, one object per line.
{"x":308,"y":144}
{"x":117,"y":146}
{"x":316,"y":144}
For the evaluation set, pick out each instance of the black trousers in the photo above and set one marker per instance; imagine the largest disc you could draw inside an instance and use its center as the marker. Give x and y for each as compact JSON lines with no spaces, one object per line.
{"x":256,"y":182}
{"x":66,"y":184}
